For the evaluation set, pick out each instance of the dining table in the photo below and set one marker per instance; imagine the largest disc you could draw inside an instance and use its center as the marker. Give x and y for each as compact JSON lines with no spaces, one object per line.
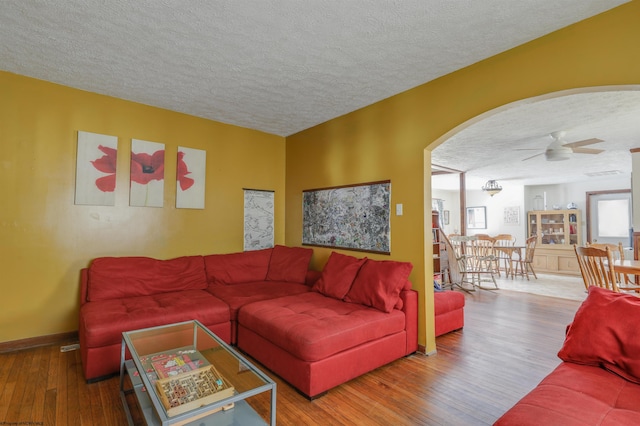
{"x":513,"y":254}
{"x":627,"y":266}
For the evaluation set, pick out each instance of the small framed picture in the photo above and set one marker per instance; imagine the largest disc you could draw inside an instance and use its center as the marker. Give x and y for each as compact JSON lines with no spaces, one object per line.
{"x":445,"y":217}
{"x":477,"y":217}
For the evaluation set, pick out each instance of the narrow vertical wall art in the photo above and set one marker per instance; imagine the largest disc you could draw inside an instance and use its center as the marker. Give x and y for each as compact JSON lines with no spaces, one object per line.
{"x":96,"y":162}
{"x":147,"y":174}
{"x":191,"y":175}
{"x":258,"y":219}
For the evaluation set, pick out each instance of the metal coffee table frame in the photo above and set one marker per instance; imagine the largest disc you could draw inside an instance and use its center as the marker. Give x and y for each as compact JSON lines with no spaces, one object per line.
{"x":154,"y":412}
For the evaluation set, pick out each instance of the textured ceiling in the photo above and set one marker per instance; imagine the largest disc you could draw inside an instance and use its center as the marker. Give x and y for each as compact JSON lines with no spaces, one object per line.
{"x":275,"y":66}
{"x":493,"y":146}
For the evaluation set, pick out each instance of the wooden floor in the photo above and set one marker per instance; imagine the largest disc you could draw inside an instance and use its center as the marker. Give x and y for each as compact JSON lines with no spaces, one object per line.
{"x":509,"y":343}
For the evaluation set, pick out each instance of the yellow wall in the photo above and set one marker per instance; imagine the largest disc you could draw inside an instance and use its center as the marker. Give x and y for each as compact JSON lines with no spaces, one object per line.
{"x":45,"y":239}
{"x":392,"y":139}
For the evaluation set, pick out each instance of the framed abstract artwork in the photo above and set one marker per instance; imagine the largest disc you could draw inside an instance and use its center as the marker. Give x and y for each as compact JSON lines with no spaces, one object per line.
{"x":190,"y":176}
{"x":355,"y":217}
{"x":96,"y":163}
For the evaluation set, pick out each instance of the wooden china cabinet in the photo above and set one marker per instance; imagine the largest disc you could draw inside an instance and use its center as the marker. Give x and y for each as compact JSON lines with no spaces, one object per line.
{"x":556,"y":231}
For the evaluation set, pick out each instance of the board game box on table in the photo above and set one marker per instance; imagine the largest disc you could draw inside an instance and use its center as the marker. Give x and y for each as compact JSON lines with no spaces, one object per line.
{"x":185,"y":380}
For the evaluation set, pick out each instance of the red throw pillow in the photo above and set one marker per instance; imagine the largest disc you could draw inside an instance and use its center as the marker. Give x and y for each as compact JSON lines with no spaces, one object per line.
{"x":338,"y":275}
{"x":289,"y":264}
{"x":379,"y":283}
{"x":605,"y":332}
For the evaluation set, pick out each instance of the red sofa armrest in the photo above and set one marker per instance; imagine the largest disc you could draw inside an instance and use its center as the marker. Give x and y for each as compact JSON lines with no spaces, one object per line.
{"x":410,"y":309}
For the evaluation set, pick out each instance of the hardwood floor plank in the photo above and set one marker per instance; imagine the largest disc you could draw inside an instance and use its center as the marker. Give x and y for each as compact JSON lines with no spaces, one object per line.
{"x":6,"y":391}
{"x":21,"y":378}
{"x":49,"y":411}
{"x":73,"y":399}
{"x":32,"y":402}
{"x":61,"y":386}
{"x":509,"y":343}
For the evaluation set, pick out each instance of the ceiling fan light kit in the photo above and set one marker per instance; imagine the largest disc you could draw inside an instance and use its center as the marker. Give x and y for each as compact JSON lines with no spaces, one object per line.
{"x":491,"y":187}
{"x":558,"y":154}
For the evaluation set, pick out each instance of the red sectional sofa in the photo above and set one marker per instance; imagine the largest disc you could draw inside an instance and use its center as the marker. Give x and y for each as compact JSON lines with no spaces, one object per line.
{"x":315,"y":329}
{"x":599,"y":381}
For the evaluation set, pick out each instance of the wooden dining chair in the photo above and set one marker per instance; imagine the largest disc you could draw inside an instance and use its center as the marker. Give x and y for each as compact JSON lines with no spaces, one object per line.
{"x":595,"y":267}
{"x":505,"y":257}
{"x":477,"y":259}
{"x":525,"y":263}
{"x":457,"y":263}
{"x":617,"y":251}
{"x":486,"y":254}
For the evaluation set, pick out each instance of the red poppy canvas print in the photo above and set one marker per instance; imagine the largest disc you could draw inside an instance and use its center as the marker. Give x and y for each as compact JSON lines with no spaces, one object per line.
{"x":191,"y":173}
{"x":147,"y":174}
{"x":96,"y":162}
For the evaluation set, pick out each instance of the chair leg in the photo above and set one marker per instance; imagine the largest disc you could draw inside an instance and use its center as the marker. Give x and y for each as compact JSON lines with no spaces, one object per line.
{"x":532,"y":271}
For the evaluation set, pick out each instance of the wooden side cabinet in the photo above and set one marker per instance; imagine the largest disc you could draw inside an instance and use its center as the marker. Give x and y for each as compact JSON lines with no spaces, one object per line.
{"x":556,"y":231}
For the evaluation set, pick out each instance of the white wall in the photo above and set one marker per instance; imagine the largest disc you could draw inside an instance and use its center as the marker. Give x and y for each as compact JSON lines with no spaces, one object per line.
{"x":522,"y":197}
{"x":451,"y":202}
{"x":575,"y":192}
{"x":510,"y":196}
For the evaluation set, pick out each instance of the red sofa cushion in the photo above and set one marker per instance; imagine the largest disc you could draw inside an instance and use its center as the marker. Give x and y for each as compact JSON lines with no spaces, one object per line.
{"x":605,"y":332}
{"x":104,"y":321}
{"x":289,"y":264}
{"x":379,"y":283}
{"x":312,"y":327}
{"x":124,"y":277}
{"x":577,"y":395}
{"x":338,"y":275}
{"x":236,"y":296}
{"x":448,"y":311}
{"x":242,"y":267}
{"x":447,"y":301}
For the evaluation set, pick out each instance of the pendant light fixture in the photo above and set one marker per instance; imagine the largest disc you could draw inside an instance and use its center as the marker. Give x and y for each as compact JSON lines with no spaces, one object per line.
{"x":491,"y":187}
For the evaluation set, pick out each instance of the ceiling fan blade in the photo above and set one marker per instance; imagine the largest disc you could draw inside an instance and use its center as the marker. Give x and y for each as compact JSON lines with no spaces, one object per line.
{"x":533,"y":156}
{"x":587,"y":150}
{"x":582,"y":143}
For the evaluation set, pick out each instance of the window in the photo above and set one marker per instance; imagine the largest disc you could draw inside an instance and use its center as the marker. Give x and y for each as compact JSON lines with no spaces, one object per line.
{"x":609,"y":217}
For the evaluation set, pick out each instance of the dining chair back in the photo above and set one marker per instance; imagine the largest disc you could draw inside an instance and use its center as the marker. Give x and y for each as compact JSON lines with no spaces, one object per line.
{"x":617,"y":252}
{"x":596,"y":267}
{"x":456,"y":261}
{"x":505,"y":257}
{"x":524,"y":266}
{"x":478,"y":259}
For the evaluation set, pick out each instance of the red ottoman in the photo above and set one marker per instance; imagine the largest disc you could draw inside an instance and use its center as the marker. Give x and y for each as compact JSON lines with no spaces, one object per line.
{"x":449,"y":311}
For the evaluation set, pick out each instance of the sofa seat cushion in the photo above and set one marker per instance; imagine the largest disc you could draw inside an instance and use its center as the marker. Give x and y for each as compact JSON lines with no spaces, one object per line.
{"x":312,"y":327}
{"x":104,"y":321}
{"x":238,"y":295}
{"x":576,"y":394}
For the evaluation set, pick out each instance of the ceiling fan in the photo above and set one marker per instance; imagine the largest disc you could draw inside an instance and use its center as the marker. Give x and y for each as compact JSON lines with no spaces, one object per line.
{"x":559,"y":149}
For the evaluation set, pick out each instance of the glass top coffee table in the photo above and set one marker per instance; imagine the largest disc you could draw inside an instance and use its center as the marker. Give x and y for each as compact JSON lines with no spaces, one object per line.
{"x":184,"y":374}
